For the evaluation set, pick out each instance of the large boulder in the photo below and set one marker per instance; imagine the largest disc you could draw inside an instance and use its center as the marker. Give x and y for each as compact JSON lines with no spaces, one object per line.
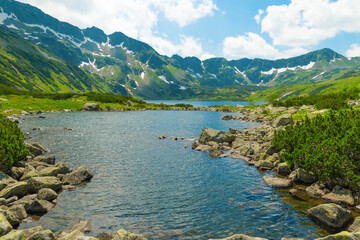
{"x":91,"y":107}
{"x":59,"y":168}
{"x":340,"y":195}
{"x":39,"y":207}
{"x":242,"y":237}
{"x":277,"y":182}
{"x":77,"y":176}
{"x":37,"y":183}
{"x":355,"y":226}
{"x":16,"y":189}
{"x":42,"y":235}
{"x":47,"y":194}
{"x":283,"y":120}
{"x":5,"y":226}
{"x":10,"y":217}
{"x":36,"y":149}
{"x":18,"y":211}
{"x":317,"y":190}
{"x":77,"y":235}
{"x":209,"y":134}
{"x":46,"y":159}
{"x":15,"y":235}
{"x":342,"y":236}
{"x":125,"y":235}
{"x":300,"y":175}
{"x":283,"y":169}
{"x":330,"y":216}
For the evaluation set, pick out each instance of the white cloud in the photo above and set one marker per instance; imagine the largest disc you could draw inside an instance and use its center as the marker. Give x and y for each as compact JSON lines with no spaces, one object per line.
{"x":354,"y":50}
{"x":258,"y":16}
{"x":188,"y":45}
{"x":307,"y":22}
{"x":254,"y":46}
{"x":130,"y":16}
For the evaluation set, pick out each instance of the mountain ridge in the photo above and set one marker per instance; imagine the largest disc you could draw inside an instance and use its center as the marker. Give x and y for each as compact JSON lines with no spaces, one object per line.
{"x":120,"y":60}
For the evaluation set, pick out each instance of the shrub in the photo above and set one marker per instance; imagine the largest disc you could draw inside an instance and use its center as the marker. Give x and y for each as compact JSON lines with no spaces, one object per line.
{"x":328,"y":145}
{"x":12,"y":147}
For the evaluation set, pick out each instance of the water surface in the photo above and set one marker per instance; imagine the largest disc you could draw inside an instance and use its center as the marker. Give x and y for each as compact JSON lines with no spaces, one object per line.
{"x":158,"y":188}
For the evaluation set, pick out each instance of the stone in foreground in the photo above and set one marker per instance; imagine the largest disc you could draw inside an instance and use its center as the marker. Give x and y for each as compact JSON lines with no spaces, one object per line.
{"x":18,"y":189}
{"x":342,"y":236}
{"x":16,"y":235}
{"x":5,"y":226}
{"x":42,"y":235}
{"x":330,"y":216}
{"x":37,"y":183}
{"x":355,"y":226}
{"x":125,"y":235}
{"x":277,"y":182}
{"x":340,"y":195}
{"x":241,"y":237}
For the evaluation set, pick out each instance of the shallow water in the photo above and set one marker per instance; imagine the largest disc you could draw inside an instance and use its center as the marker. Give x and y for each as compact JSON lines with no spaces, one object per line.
{"x":158,"y":188}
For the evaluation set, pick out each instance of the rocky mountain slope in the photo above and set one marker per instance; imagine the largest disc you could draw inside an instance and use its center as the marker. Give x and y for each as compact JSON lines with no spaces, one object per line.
{"x":117,"y":63}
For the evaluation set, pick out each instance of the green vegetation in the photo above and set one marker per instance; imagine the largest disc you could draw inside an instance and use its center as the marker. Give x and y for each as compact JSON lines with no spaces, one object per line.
{"x":12,"y":147}
{"x":335,"y":101}
{"x":328,"y":145}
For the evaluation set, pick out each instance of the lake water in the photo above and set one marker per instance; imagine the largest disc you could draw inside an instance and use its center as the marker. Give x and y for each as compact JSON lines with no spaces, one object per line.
{"x":158,"y":188}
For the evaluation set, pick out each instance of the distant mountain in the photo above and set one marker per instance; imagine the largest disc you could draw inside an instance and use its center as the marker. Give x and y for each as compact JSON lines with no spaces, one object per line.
{"x":120,"y":64}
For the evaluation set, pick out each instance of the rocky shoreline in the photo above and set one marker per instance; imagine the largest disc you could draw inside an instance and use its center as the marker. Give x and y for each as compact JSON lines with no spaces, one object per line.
{"x":254,"y":146}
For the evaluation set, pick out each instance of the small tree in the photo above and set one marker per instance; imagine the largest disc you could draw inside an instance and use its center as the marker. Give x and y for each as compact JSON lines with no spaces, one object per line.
{"x":272,"y":97}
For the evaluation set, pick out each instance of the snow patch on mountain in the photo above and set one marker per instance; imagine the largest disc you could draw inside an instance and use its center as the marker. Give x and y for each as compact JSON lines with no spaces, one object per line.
{"x":4,"y":16}
{"x":281,"y":70}
{"x":182,"y":88}
{"x":164,"y":79}
{"x":318,"y":75}
{"x":142,"y":75}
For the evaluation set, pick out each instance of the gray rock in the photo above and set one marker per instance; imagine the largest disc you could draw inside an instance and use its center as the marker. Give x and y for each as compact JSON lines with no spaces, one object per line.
{"x":37,"y":183}
{"x":355,"y":226}
{"x":47,"y":194}
{"x":91,"y":107}
{"x":77,"y":235}
{"x":42,"y":235}
{"x":277,"y":182}
{"x":242,"y":237}
{"x":29,"y":174}
{"x":46,"y":159}
{"x":5,"y":226}
{"x":15,"y":235}
{"x":317,"y":190}
{"x":162,"y":136}
{"x":330,"y":216}
{"x":283,"y":120}
{"x":18,"y":189}
{"x":265,"y":165}
{"x":209,"y":134}
{"x":17,"y":172}
{"x":342,"y":236}
{"x":300,"y":175}
{"x":82,"y":226}
{"x":19,"y":212}
{"x":35,"y":151}
{"x":39,"y":207}
{"x":106,"y":236}
{"x":10,"y":217}
{"x":59,"y":168}
{"x":79,"y":175}
{"x":31,"y":231}
{"x":216,"y":152}
{"x":340,"y":195}
{"x":125,"y":235}
{"x":283,"y":169}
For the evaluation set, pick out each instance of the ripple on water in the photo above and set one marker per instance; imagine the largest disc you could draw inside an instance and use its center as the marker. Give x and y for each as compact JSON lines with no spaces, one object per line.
{"x":157,"y":187}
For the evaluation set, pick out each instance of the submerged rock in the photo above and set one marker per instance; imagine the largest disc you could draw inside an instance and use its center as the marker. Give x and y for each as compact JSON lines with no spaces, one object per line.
{"x":82,"y":226}
{"x":331,"y":216}
{"x":277,"y":182}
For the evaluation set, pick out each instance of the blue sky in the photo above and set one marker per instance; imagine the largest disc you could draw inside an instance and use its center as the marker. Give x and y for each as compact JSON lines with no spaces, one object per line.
{"x":233,"y":29}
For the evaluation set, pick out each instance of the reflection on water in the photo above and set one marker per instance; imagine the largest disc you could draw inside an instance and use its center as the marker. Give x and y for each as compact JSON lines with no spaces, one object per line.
{"x":158,"y":188}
